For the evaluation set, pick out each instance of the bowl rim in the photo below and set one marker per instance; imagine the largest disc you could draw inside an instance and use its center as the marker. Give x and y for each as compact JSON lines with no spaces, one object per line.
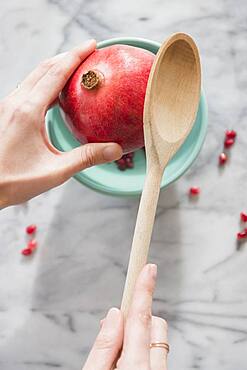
{"x":87,"y":181}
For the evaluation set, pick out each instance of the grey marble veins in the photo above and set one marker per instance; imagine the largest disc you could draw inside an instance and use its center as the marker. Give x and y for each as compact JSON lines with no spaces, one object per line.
{"x":51,"y":304}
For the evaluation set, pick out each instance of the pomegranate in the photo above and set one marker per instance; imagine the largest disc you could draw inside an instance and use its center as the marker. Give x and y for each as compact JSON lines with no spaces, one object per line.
{"x":104,"y":98}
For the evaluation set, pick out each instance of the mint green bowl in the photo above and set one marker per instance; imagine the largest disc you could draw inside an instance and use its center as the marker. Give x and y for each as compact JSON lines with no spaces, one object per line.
{"x":107,"y":178}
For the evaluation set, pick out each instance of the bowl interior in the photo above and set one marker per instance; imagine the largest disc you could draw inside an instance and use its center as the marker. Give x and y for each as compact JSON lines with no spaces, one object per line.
{"x":108,"y":178}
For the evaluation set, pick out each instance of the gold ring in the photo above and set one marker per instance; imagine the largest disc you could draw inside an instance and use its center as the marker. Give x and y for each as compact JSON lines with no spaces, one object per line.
{"x":163,"y":345}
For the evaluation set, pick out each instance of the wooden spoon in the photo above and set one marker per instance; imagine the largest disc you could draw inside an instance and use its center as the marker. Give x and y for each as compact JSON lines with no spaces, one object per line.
{"x":171,"y":104}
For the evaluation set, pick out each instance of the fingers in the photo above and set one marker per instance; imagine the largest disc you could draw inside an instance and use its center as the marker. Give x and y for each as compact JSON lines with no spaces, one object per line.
{"x":86,"y":156}
{"x":158,"y":356}
{"x":108,"y":343}
{"x":29,"y":82}
{"x":46,"y":90}
{"x":136,"y":351}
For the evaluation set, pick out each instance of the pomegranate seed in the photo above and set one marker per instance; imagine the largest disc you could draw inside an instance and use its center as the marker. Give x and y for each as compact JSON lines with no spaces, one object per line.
{"x":243,"y":217}
{"x":31,"y":229}
{"x":121,"y":168}
{"x":194,"y":190}
{"x":222,"y":159}
{"x":32,"y":244}
{"x":231,"y":134}
{"x":125,"y":162}
{"x":130,"y":164}
{"x":26,"y":251}
{"x":242,"y":234}
{"x":228,"y":143}
{"x":121,"y":162}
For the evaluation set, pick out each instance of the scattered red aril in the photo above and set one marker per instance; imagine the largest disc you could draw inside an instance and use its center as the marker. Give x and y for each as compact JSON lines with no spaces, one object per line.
{"x":242,"y":234}
{"x":231,"y":134}
{"x":194,"y":190}
{"x":121,"y":164}
{"x":104,"y":98}
{"x":228,"y":143}
{"x":32,"y":244}
{"x":222,"y":159}
{"x":243,"y":217}
{"x":125,"y":162}
{"x":31,"y":229}
{"x":26,"y":251}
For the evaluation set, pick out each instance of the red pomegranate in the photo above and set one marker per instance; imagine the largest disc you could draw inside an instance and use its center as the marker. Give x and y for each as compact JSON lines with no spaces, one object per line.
{"x":103,"y":100}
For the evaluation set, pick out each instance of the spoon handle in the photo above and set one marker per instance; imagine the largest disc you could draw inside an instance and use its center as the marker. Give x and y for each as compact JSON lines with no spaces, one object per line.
{"x":143,"y":233}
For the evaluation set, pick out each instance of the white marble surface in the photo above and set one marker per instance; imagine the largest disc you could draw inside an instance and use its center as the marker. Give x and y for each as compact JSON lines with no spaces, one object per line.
{"x":50,"y":305}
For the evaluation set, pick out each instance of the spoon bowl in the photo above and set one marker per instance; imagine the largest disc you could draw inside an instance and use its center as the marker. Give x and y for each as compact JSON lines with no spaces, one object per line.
{"x":172,"y":96}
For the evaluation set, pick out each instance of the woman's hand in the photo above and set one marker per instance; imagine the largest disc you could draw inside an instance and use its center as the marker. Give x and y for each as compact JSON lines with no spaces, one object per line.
{"x":132,"y":340}
{"x":29,"y":164}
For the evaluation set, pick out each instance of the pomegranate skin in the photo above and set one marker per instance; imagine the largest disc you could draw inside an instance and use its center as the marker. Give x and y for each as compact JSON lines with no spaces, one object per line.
{"x":112,"y":111}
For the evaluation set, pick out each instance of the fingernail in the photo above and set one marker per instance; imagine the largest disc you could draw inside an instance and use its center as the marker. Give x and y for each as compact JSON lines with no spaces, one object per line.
{"x":112,"y":316}
{"x":153,"y":270}
{"x":112,"y":152}
{"x":61,"y":55}
{"x":88,"y":43}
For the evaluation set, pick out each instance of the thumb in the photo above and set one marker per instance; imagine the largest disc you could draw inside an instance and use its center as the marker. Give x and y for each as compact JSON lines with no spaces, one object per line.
{"x":89,"y":155}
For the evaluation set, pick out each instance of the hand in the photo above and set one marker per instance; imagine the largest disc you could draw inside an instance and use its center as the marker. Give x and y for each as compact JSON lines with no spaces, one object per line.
{"x":29,"y":164}
{"x":132,"y":339}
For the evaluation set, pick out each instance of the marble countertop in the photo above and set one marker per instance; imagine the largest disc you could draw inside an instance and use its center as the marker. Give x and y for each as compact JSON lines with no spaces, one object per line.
{"x":51,"y":304}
